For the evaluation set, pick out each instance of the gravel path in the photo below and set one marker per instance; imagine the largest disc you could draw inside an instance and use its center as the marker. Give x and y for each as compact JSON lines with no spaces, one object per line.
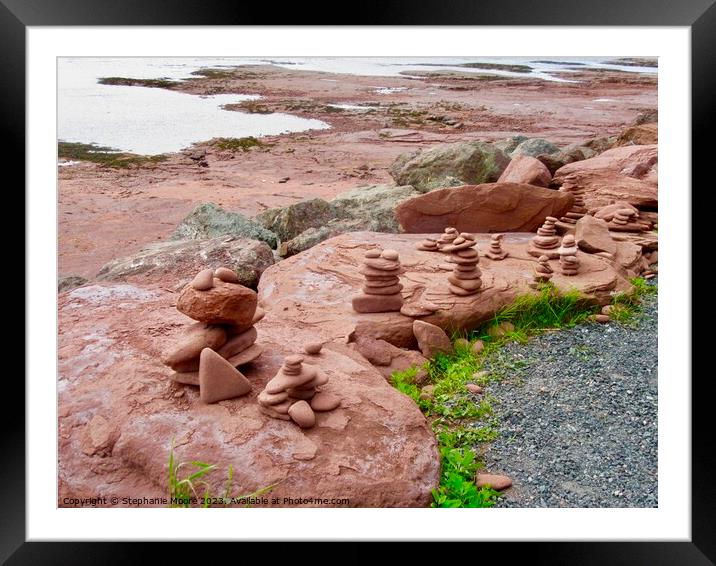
{"x":578,"y":416}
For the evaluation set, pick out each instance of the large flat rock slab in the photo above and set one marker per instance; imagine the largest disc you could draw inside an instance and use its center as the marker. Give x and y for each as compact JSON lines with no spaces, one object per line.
{"x":490,"y":207}
{"x":119,"y":413}
{"x":313,"y":289}
{"x":628,"y":173}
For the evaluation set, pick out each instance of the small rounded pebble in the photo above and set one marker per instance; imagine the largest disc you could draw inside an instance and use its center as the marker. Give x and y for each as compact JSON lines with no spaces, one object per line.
{"x":601,"y":318}
{"x":372,"y":254}
{"x":472,"y":388}
{"x":427,"y":392}
{"x":313,"y":348}
{"x":204,"y":280}
{"x":462,"y":343}
{"x":607,"y":309}
{"x":294,"y":360}
{"x":227,"y":275}
{"x":302,"y":414}
{"x":325,"y":401}
{"x":390,"y":254}
{"x":478,"y":346}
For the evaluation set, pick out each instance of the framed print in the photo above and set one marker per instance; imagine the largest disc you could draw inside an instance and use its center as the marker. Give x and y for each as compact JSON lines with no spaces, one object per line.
{"x":327,"y":281}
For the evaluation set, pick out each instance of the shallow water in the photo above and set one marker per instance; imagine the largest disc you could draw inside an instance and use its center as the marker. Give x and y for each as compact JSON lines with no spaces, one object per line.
{"x":154,"y":120}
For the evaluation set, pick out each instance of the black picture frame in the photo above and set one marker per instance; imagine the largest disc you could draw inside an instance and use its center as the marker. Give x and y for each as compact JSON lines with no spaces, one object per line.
{"x":699,"y":15}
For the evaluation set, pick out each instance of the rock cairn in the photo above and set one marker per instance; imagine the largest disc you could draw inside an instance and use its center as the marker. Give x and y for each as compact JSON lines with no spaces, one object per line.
{"x":292,"y":393}
{"x":578,"y":209}
{"x":428,"y":245}
{"x":226,"y":313}
{"x":496,"y":252}
{"x":466,"y":276}
{"x":381,"y":290}
{"x":546,"y":241}
{"x":623,"y":220}
{"x":568,"y":261}
{"x":543,"y":271}
{"x":447,"y":237}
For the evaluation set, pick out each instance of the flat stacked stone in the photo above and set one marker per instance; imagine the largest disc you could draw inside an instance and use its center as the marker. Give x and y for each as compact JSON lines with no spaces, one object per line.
{"x":627,"y":220}
{"x":466,"y":276}
{"x":543,"y":271}
{"x":496,"y":252}
{"x":546,"y":241}
{"x":578,"y":209}
{"x":428,"y":245}
{"x":447,"y":237}
{"x":622,"y":217}
{"x":226,"y":313}
{"x":568,"y":260}
{"x":292,"y":394}
{"x":382,"y":287}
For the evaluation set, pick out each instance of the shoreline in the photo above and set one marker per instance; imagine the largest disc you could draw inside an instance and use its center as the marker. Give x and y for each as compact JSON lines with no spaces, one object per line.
{"x":105,"y":213}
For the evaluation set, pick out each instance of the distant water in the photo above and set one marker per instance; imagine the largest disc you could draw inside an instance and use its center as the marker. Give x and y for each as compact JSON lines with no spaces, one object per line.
{"x":154,"y":120}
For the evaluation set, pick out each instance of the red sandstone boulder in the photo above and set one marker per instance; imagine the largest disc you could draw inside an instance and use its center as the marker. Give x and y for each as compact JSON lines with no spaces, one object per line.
{"x":224,"y":303}
{"x":312,"y":290}
{"x":110,"y":340}
{"x":492,"y":207}
{"x":592,"y":235}
{"x":526,"y":170}
{"x":431,"y":339}
{"x":627,"y":173}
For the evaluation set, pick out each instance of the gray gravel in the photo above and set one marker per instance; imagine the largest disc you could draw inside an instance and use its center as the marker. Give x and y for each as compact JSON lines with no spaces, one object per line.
{"x":578,"y":416}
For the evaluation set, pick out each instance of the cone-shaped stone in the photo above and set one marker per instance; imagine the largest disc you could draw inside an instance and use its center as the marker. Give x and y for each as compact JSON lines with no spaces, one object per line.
{"x":218,"y":379}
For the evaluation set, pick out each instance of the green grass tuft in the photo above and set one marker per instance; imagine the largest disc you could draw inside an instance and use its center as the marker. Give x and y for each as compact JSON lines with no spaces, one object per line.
{"x":626,"y":307}
{"x":183,"y":492}
{"x":548,"y":309}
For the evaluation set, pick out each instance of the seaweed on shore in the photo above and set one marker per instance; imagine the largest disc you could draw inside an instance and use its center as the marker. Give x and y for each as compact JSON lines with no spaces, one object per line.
{"x":105,"y":156}
{"x":150,"y":83}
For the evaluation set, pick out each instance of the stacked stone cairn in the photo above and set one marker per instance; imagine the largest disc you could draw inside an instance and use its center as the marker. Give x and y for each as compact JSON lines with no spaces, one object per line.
{"x":447,"y":237}
{"x":543,"y":271}
{"x":428,"y":245}
{"x":568,"y":260}
{"x":222,"y":339}
{"x":466,"y":276}
{"x":578,"y":208}
{"x":293,"y":395}
{"x":381,"y":290}
{"x":622,"y":219}
{"x":546,"y":241}
{"x":496,"y":252}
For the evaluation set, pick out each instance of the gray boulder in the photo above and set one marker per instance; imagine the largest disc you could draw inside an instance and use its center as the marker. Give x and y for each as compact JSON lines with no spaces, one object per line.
{"x":534,"y":147}
{"x":303,"y":225}
{"x":185,"y":258}
{"x":289,"y":221}
{"x":69,"y":282}
{"x":468,"y":163}
{"x":374,"y":205}
{"x":313,"y":236}
{"x":600,"y":145}
{"x":211,"y":221}
{"x":569,"y":154}
{"x":508,"y":145}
